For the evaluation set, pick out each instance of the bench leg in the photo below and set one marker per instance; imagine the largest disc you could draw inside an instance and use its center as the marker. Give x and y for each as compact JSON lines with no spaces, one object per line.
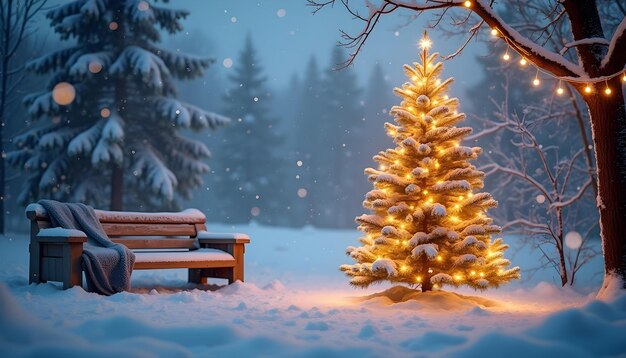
{"x":72,"y":268}
{"x":34,"y":274}
{"x":195,"y":276}
{"x":236,"y":273}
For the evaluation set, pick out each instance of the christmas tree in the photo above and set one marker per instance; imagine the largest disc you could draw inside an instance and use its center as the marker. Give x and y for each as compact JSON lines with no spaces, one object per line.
{"x":428,"y":225}
{"x":109,"y":120}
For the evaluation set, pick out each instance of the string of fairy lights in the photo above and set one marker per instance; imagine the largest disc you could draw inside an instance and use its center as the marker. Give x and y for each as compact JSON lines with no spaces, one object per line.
{"x":536,"y":82}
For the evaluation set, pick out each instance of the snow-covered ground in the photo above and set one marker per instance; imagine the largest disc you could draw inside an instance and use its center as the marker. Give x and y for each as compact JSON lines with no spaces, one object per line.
{"x":296,"y":303}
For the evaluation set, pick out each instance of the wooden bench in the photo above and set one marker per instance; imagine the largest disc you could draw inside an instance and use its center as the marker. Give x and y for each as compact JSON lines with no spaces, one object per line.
{"x":159,"y":241}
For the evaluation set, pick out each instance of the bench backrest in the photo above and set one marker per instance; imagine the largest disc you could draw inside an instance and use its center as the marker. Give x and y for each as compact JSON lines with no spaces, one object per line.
{"x":138,"y":230}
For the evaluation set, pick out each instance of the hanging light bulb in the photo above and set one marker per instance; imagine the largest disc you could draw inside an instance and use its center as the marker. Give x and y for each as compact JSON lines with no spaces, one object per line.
{"x":494,"y":32}
{"x":467,"y":3}
{"x":624,"y":77}
{"x":523,"y":62}
{"x":559,"y":90}
{"x":506,"y":56}
{"x":588,"y":89}
{"x":425,"y":42}
{"x":607,"y":90}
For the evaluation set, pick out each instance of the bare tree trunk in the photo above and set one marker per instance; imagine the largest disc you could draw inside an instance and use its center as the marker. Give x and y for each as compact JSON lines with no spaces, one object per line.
{"x":608,"y":126}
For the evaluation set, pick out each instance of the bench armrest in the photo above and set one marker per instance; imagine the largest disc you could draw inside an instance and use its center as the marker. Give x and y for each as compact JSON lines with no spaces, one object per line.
{"x":205,"y":237}
{"x":61,"y":235}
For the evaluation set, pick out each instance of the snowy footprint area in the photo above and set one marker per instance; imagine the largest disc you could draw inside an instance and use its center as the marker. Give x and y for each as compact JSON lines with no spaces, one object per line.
{"x":296,"y":303}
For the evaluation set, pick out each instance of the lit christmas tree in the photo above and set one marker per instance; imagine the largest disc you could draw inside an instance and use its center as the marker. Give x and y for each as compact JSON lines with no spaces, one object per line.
{"x":428,"y":227}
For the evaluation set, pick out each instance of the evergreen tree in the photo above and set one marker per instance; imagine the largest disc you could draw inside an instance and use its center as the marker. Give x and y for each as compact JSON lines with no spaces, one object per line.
{"x":339,"y":123}
{"x":428,"y":225}
{"x":110,"y":116}
{"x":250,"y":164}
{"x":309,"y":134}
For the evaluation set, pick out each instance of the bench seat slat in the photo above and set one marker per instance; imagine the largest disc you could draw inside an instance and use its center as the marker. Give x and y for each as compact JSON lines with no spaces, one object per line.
{"x":202,"y":258}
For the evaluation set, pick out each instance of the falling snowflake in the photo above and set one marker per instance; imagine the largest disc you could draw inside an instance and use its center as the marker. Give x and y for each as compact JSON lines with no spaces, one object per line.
{"x":281,"y":12}
{"x":573,"y":240}
{"x":228,"y":62}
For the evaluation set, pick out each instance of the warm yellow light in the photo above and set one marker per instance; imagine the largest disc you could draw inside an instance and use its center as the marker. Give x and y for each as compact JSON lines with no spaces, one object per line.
{"x":454,"y":218}
{"x":488,"y":252}
{"x":559,"y":91}
{"x":624,"y":77}
{"x":425,"y":171}
{"x":402,"y":150}
{"x":403,"y":268}
{"x":439,"y":258}
{"x":414,"y":78}
{"x":469,"y":195}
{"x":473,"y":273}
{"x":378,"y":258}
{"x":397,"y":242}
{"x":607,"y":91}
{"x":457,"y":206}
{"x":494,"y":32}
{"x":536,"y":82}
{"x":500,"y":271}
{"x":396,"y":161}
{"x":435,"y":101}
{"x":435,"y":286}
{"x":458,"y":277}
{"x":438,"y":82}
{"x":425,"y":192}
{"x":506,"y":56}
{"x":405,"y":242}
{"x":523,"y":62}
{"x":467,"y":3}
{"x":430,"y":200}
{"x":418,"y":278}
{"x":425,"y":43}
{"x":408,"y":176}
{"x":587,"y":89}
{"x":437,"y":165}
{"x":446,"y":97}
{"x":430,"y":270}
{"x":411,"y":108}
{"x":482,"y":274}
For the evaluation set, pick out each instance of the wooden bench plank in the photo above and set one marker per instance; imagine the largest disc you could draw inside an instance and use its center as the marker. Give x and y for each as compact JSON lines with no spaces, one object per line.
{"x":183,"y":264}
{"x":132,"y":229}
{"x":156,"y":243}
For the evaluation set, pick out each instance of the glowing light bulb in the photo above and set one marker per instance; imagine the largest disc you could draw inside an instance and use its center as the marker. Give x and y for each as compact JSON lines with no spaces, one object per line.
{"x":494,"y":32}
{"x":523,"y":62}
{"x":506,"y":56}
{"x":458,"y":277}
{"x":467,"y":3}
{"x":404,"y":242}
{"x":473,"y":273}
{"x":430,"y":200}
{"x":418,"y":278}
{"x":536,"y":82}
{"x":425,"y":43}
{"x":437,"y":165}
{"x":403,"y":268}
{"x":430,"y":270}
{"x":470,"y":195}
{"x":425,"y":192}
{"x":559,"y":91}
{"x":587,"y":89}
{"x":397,"y":242}
{"x":624,"y":77}
{"x":448,"y":97}
{"x":482,"y":274}
{"x":457,"y":206}
{"x":607,"y":91}
{"x":414,"y":78}
{"x":408,"y":176}
{"x":396,"y":161}
{"x":439,"y":258}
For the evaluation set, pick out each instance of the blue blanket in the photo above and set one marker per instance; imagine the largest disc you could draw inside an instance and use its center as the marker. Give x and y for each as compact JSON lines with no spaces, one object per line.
{"x":107,"y":265}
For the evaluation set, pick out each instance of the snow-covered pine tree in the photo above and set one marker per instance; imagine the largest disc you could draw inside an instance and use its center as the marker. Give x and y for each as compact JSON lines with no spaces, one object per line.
{"x":121,"y":131}
{"x":428,"y":225}
{"x":250,"y":165}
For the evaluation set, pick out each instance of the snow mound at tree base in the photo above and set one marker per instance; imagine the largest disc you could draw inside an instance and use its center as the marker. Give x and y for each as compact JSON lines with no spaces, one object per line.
{"x":404,"y":297}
